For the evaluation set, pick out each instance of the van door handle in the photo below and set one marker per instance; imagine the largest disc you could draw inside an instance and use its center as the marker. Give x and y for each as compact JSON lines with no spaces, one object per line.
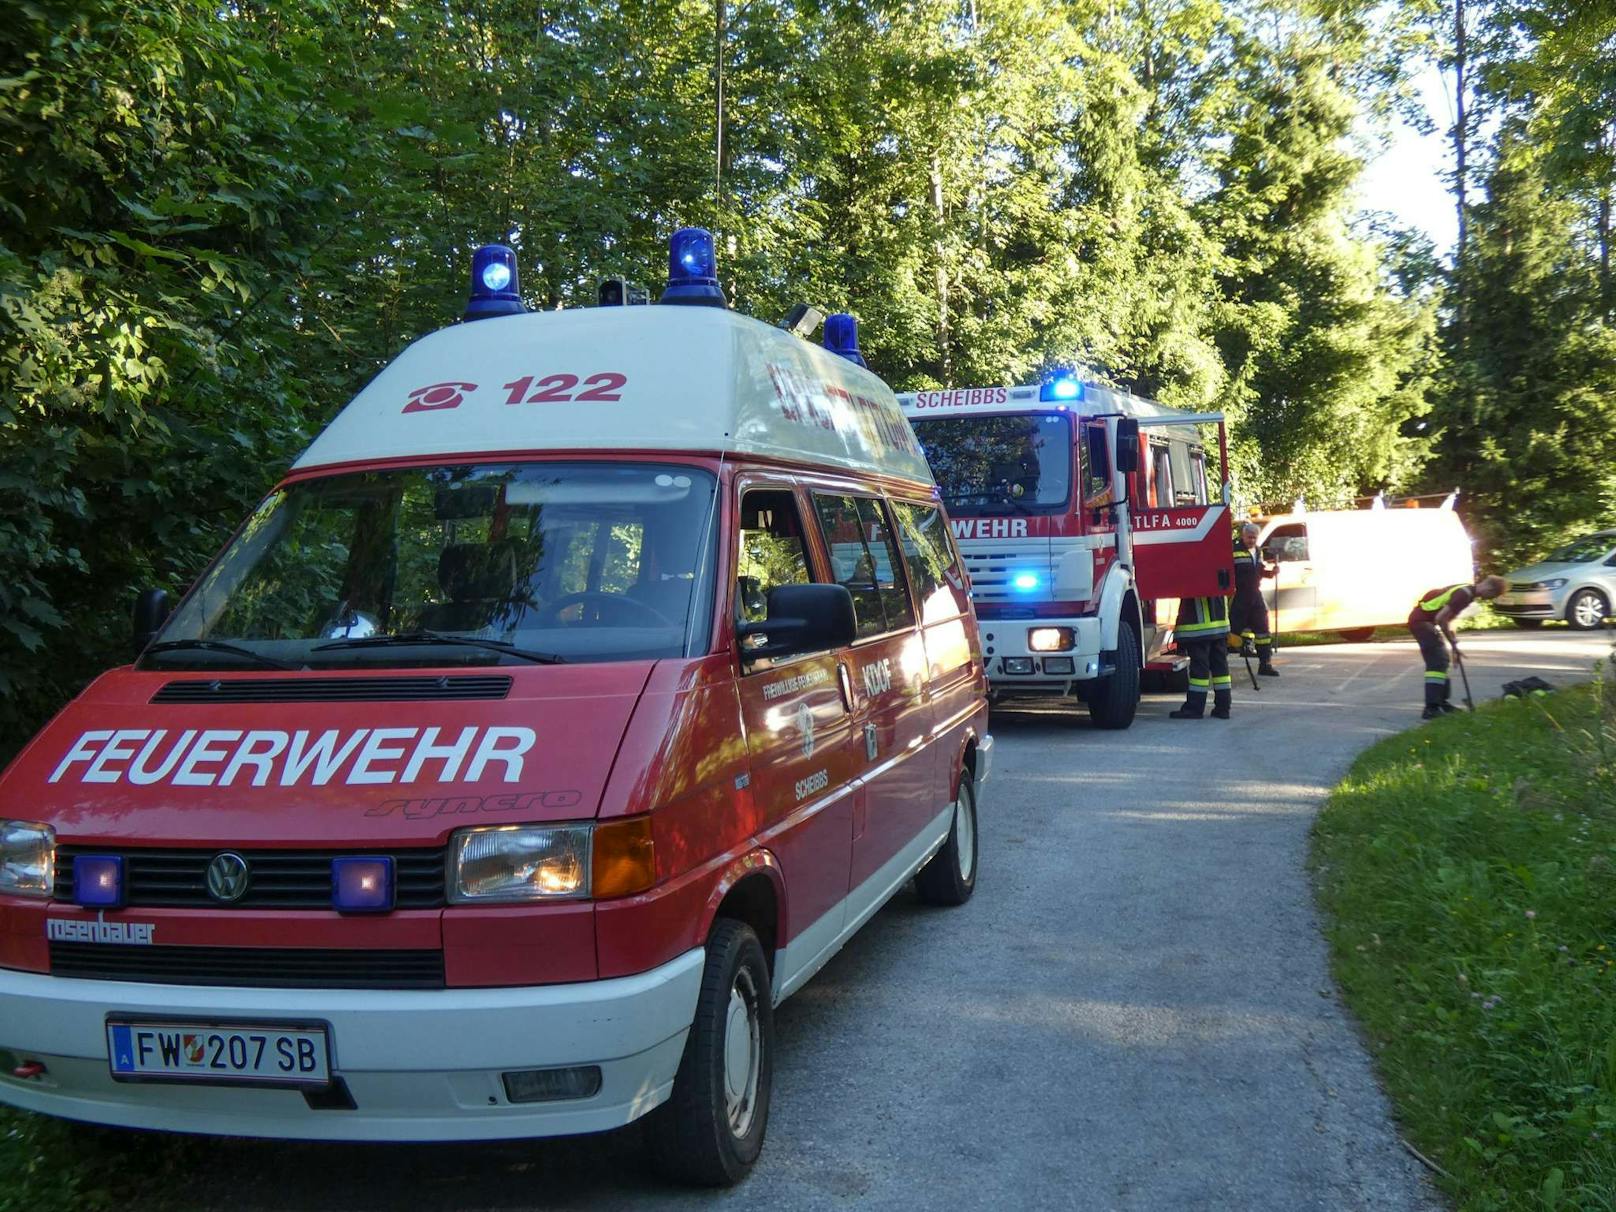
{"x":845,"y":681}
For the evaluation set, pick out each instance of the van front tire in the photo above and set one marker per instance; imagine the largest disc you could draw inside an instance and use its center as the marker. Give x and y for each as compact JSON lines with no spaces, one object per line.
{"x":950,"y":877}
{"x":710,"y":1131}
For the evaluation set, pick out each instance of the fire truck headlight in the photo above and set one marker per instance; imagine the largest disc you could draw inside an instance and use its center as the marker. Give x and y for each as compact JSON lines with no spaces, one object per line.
{"x":1050,"y":639}
{"x":520,"y":863}
{"x":27,"y":859}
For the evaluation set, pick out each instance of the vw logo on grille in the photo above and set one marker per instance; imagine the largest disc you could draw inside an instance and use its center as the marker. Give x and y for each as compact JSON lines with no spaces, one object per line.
{"x":227,"y":877}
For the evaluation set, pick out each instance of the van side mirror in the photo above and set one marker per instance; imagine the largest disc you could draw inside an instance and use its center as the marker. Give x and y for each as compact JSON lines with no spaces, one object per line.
{"x":1127,"y":445}
{"x":151,"y":612}
{"x":802,"y":618}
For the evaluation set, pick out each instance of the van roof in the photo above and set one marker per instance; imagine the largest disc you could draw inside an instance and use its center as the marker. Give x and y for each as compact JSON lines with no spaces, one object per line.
{"x":624,"y":378}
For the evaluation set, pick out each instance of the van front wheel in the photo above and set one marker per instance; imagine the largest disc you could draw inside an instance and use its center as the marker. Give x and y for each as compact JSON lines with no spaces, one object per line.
{"x":950,"y":877}
{"x":711,"y":1130}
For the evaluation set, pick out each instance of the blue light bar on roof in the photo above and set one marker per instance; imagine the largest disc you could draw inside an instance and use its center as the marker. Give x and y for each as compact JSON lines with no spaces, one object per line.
{"x":1063,"y":385}
{"x":493,"y":284}
{"x":841,"y":338}
{"x":693,"y":269}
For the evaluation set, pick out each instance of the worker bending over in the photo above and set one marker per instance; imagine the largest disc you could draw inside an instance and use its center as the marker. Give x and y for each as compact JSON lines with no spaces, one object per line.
{"x":1202,"y":631}
{"x":1431,"y":620}
{"x":1249,"y":615}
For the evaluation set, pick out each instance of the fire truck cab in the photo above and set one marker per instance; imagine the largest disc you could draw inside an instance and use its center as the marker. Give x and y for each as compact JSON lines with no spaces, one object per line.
{"x":1083,"y":515}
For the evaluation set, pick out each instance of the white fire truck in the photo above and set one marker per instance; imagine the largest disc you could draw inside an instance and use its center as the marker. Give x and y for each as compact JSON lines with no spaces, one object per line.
{"x":1083,"y":515}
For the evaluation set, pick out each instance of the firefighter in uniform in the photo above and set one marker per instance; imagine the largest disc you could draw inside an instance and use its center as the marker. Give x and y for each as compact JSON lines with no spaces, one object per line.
{"x":1430,"y":621}
{"x":1202,"y":631}
{"x":1249,"y":613}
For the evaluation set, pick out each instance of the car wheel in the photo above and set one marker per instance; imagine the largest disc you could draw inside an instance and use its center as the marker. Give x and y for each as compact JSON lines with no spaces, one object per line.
{"x":710,"y":1132}
{"x":1528,"y":624}
{"x":1587,"y":609}
{"x":1115,"y":698}
{"x":1358,"y":635}
{"x":950,"y":877}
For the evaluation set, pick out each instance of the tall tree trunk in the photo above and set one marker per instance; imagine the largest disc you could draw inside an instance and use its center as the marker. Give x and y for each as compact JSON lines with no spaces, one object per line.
{"x":718,"y":110}
{"x":1460,"y":128}
{"x":945,"y":360}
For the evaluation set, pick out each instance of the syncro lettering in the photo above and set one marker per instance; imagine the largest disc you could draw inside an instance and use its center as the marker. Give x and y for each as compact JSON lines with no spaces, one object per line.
{"x":263,"y":756}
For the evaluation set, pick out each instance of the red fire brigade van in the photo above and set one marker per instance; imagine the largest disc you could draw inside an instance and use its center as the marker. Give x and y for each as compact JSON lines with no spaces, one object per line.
{"x":583,"y":687}
{"x":1083,"y":515}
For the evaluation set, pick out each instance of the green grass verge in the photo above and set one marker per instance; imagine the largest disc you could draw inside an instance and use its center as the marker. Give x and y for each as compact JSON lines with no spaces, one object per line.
{"x":1467,"y":871}
{"x":48,"y":1164}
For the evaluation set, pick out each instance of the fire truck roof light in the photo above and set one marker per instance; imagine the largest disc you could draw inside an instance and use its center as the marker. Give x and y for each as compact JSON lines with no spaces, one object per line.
{"x":1063,"y":385}
{"x":693,"y":269}
{"x":841,"y":338}
{"x":493,"y":284}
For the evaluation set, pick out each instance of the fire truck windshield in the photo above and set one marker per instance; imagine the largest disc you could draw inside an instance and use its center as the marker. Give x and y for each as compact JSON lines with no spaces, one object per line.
{"x":465,"y":564}
{"x":1021,"y":463}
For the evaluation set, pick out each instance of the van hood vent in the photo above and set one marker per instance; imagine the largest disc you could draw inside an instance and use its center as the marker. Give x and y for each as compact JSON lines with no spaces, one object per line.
{"x":333,"y":690}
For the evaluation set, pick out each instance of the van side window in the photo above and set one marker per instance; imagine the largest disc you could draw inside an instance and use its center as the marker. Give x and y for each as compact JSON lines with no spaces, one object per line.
{"x":929,"y":555}
{"x":865,"y":559}
{"x":1288,"y":543}
{"x":772,"y":551}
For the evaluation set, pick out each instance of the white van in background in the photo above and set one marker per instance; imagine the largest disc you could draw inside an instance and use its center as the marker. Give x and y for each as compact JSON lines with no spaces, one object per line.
{"x":1353,"y":570}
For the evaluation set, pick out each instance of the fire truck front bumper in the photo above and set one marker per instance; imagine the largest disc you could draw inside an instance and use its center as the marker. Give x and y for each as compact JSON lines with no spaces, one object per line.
{"x":1041,"y":656}
{"x":404,"y":1065}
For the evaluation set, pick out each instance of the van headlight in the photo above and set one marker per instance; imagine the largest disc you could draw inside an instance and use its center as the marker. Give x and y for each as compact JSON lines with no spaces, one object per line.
{"x":27,"y":859}
{"x":520,"y":863}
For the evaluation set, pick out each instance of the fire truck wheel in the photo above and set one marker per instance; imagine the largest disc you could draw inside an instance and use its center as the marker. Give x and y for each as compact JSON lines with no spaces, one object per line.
{"x":711,"y":1130}
{"x":950,"y":877}
{"x":1114,"y":699}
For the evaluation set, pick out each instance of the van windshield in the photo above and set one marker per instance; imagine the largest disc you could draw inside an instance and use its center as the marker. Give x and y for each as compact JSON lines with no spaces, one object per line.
{"x":464,"y":564}
{"x":1000,"y":464}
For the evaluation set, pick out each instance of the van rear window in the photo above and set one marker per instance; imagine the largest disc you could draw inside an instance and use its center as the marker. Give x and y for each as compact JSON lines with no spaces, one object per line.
{"x":450,"y":564}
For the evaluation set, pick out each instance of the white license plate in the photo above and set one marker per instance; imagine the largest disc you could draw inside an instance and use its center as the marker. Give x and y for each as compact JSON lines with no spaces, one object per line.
{"x":229,"y":1053}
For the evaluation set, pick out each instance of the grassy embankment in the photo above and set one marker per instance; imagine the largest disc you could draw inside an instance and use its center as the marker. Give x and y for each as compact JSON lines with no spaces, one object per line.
{"x":1467,"y":870}
{"x":48,"y":1165}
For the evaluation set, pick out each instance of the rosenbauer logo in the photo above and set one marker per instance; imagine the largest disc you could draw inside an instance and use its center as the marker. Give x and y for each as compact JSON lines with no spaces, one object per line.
{"x":221,"y":757}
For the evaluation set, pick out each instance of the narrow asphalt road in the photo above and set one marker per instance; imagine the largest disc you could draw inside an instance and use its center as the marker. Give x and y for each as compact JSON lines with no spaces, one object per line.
{"x":1135,"y":1011}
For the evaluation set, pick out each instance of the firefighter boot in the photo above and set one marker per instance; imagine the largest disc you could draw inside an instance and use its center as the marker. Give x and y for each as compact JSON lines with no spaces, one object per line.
{"x":1220,"y":703}
{"x":1431,"y":712}
{"x":1188,"y":712}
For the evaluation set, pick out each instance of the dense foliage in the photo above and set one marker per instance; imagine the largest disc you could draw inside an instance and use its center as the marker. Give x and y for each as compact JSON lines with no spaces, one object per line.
{"x":217,"y":221}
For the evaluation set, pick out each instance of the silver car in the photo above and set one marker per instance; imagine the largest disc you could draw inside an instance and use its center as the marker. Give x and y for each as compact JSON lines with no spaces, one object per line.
{"x":1576,"y":583}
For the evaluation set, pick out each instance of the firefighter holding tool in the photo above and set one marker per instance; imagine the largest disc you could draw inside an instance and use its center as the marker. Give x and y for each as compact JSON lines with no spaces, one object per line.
{"x":1431,"y":621}
{"x":1202,"y":632}
{"x":1249,"y":615}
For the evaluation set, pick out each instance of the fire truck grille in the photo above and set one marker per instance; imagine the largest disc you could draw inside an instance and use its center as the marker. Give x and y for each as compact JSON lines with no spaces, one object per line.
{"x":257,"y":967}
{"x":277,"y":879}
{"x":333,"y":690}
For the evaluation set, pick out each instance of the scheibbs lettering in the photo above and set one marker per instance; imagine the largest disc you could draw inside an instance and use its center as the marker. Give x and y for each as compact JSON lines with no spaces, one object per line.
{"x":260,"y":757}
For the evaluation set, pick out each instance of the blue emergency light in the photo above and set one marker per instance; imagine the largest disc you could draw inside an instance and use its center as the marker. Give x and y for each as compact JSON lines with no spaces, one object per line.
{"x":493,"y":284}
{"x":362,"y":883}
{"x":1024,"y":582}
{"x":693,"y":269}
{"x":841,"y":338}
{"x":98,"y":881}
{"x":1063,"y":385}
